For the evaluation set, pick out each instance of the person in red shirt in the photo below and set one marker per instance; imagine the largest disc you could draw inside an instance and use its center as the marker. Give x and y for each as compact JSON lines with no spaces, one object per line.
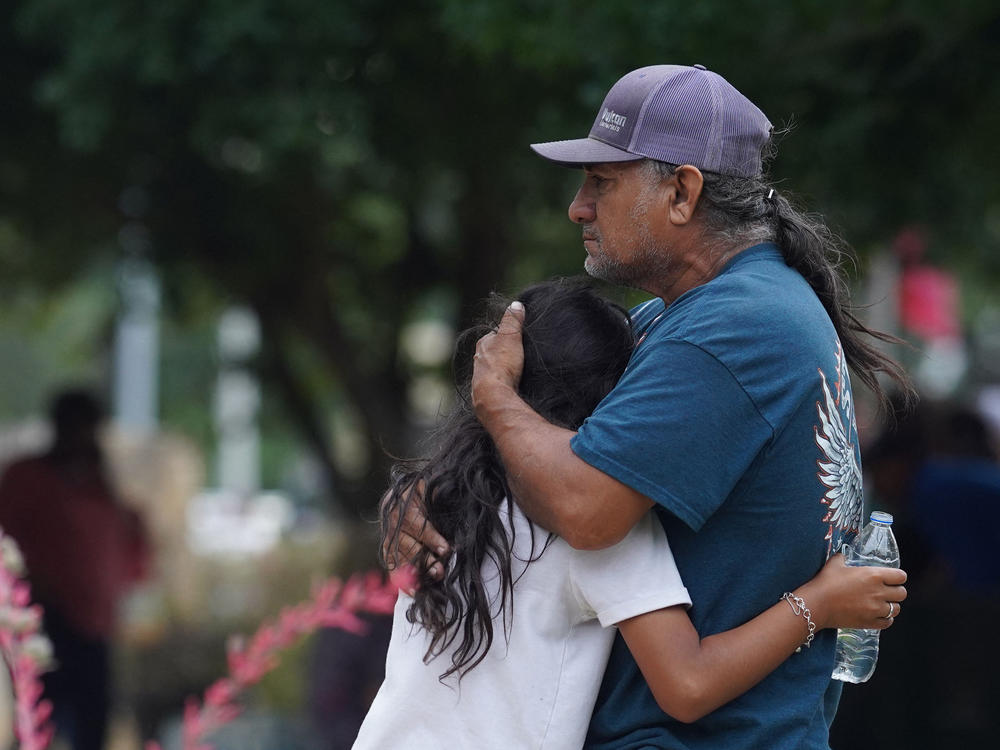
{"x":83,"y":549}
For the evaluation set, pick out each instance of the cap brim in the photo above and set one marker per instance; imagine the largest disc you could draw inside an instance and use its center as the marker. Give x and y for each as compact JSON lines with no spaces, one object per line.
{"x":582,"y":151}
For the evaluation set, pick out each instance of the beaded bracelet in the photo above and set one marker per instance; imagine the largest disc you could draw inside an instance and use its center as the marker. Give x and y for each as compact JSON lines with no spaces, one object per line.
{"x":798,"y":605}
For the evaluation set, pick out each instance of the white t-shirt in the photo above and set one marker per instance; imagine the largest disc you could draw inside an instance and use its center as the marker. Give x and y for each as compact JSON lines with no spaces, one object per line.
{"x":539,"y":690}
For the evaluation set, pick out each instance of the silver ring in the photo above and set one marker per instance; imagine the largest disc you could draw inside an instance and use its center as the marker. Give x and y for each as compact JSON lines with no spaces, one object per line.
{"x":889,"y":616}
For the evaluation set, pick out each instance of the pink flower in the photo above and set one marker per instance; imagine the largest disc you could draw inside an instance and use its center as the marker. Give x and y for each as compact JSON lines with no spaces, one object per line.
{"x":26,"y":650}
{"x":28,"y":653}
{"x":333,"y":604}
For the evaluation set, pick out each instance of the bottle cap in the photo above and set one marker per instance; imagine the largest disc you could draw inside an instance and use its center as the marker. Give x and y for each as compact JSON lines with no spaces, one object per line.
{"x":879,"y":516}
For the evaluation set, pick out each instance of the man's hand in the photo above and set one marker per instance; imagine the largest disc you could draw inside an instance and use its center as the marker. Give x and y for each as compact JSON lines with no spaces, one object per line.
{"x":418,"y":543}
{"x":499,"y":361}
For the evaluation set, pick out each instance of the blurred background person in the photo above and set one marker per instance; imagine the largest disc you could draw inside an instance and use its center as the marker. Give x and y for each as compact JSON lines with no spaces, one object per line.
{"x":83,"y":548}
{"x":346,"y":671}
{"x":936,"y":471}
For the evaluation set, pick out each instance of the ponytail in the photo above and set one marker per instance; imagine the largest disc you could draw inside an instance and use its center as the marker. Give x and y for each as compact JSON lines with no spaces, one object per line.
{"x":747,"y":211}
{"x":810,"y":247}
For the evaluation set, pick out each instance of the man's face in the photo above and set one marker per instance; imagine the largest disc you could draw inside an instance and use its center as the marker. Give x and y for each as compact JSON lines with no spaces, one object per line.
{"x":623,"y":220}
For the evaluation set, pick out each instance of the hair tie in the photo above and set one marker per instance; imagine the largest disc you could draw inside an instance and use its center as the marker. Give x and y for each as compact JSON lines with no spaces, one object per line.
{"x":770,"y":195}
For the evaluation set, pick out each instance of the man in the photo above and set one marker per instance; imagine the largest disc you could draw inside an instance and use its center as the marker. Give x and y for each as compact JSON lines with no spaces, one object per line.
{"x":734,"y":419}
{"x":83,"y":549}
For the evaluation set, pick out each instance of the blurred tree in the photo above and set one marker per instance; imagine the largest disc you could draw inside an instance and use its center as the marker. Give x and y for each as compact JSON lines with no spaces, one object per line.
{"x":336,"y":164}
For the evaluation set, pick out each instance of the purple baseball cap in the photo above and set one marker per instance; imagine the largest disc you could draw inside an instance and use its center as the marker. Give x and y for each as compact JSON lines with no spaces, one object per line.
{"x":679,"y":114}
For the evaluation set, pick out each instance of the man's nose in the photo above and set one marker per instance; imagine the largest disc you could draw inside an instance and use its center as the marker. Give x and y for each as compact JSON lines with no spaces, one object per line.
{"x":582,"y":209}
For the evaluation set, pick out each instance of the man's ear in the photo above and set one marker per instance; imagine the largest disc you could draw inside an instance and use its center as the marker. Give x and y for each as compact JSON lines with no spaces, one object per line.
{"x":687,"y":183}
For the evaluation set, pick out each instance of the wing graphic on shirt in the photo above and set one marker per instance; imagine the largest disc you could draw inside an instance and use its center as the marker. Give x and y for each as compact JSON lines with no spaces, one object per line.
{"x":839,"y":470}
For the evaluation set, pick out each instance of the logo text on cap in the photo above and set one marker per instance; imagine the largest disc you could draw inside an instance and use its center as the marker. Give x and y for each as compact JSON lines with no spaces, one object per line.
{"x":612,"y":120}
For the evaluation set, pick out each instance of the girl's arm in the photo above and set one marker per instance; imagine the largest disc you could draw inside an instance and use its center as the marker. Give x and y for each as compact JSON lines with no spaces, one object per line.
{"x":691,"y":676}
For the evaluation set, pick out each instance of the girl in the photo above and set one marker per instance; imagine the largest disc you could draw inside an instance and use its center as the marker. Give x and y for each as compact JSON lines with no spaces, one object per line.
{"x":473,"y":664}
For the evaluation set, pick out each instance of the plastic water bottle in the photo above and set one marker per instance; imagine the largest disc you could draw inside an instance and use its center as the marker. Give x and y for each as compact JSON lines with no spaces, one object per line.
{"x":857,"y":648}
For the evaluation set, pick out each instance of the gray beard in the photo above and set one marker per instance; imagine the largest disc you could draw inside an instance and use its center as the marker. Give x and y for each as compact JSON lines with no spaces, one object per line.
{"x":651,"y":265}
{"x":646,"y":271}
{"x":613,"y":272}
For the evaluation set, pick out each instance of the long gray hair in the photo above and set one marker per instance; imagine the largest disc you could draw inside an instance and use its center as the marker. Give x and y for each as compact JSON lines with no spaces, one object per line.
{"x":750,"y":210}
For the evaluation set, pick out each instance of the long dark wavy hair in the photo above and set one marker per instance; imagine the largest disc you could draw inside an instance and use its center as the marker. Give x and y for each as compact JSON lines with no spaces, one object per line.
{"x":576,"y":346}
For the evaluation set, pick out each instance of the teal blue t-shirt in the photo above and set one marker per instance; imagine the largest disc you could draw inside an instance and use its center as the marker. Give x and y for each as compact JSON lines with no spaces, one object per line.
{"x":735,"y":416}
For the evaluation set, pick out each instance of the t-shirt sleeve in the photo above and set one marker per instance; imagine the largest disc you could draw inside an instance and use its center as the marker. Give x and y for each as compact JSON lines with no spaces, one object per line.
{"x":635,"y":576}
{"x":678,"y":428}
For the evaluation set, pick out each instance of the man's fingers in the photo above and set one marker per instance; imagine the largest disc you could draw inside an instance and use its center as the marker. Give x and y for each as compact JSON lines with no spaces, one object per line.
{"x":407,"y":550}
{"x":499,"y":356}
{"x":513,"y":319}
{"x":433,"y":541}
{"x":419,"y":543}
{"x":411,"y":539}
{"x":416,"y":526}
{"x":411,"y":551}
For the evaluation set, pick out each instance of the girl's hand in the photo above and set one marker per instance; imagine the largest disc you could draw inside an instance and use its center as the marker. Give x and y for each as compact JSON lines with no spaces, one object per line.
{"x":842,"y":596}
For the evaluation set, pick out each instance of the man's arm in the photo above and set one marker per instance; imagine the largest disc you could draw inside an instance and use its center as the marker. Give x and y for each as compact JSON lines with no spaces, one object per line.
{"x":552,"y":485}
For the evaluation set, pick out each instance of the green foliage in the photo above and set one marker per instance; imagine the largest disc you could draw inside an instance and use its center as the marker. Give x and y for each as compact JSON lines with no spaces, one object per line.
{"x":46,"y":342}
{"x":329,"y":162}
